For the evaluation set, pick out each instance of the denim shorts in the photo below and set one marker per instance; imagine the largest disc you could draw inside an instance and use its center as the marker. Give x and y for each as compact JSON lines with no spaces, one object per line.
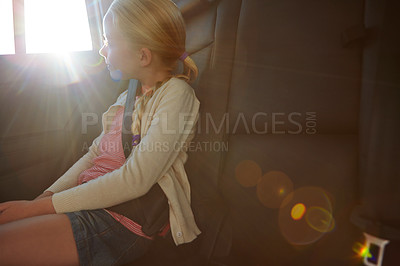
{"x":102,"y":240}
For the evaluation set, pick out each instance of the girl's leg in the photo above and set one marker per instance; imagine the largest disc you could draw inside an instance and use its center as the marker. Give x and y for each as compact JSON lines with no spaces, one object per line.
{"x":39,"y":240}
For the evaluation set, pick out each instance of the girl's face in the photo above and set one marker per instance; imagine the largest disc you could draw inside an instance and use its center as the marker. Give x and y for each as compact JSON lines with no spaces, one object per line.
{"x":121,"y":59}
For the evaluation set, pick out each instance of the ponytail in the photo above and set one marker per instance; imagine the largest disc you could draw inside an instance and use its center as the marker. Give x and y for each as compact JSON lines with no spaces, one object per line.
{"x":190,"y":73}
{"x":190,"y":70}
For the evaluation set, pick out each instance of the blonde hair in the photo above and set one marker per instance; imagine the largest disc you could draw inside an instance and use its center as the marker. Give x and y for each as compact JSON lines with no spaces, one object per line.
{"x":159,"y":26}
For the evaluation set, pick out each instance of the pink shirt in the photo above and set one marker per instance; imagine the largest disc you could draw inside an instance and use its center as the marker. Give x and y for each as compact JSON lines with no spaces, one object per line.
{"x":111,"y":157}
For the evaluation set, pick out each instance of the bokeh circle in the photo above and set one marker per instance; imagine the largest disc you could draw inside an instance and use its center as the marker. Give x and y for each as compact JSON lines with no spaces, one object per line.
{"x":306,"y":215}
{"x":273,"y":188}
{"x":248,"y":173}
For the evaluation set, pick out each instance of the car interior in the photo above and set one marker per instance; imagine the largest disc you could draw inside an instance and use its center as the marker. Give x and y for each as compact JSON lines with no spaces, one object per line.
{"x":295,"y":159}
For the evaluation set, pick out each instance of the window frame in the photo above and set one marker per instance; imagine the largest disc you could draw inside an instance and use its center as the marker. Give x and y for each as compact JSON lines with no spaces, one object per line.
{"x":44,"y":62}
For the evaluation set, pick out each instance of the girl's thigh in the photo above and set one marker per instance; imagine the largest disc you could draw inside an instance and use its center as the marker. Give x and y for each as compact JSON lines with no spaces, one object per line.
{"x":40,"y":240}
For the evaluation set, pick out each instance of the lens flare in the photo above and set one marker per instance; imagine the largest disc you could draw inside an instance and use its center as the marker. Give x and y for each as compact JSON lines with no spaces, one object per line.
{"x":97,"y":63}
{"x":320,"y":219}
{"x":273,"y":187}
{"x":305,"y":216}
{"x":361,"y":250}
{"x":298,"y":211}
{"x":248,"y":173}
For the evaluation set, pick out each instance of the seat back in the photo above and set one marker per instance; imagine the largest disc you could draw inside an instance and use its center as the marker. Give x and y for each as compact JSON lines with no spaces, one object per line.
{"x":293,"y":123}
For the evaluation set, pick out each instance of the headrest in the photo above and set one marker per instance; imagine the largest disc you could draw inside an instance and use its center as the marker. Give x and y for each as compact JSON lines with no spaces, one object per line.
{"x":189,"y":8}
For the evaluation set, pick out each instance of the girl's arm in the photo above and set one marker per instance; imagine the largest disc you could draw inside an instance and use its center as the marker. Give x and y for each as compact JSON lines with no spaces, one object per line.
{"x":20,"y":209}
{"x":44,"y":195}
{"x":41,"y":205}
{"x":177,"y":112}
{"x":70,"y":178}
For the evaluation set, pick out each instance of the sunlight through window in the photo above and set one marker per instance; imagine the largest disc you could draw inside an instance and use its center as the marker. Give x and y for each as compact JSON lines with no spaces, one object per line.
{"x":56,"y":26}
{"x":6,"y":27}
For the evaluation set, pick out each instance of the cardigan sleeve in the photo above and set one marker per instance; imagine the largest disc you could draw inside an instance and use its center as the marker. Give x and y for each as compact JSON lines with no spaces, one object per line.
{"x":70,"y":178}
{"x":173,"y":121}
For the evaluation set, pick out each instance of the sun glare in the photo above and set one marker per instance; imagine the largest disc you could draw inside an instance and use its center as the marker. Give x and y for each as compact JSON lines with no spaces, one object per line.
{"x":56,"y":26}
{"x":6,"y":27}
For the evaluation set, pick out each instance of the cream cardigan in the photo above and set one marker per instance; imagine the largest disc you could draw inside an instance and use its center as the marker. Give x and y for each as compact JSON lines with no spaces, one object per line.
{"x":168,"y":125}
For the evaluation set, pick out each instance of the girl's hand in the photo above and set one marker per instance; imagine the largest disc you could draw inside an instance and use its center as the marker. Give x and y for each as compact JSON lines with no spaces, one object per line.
{"x":20,"y":209}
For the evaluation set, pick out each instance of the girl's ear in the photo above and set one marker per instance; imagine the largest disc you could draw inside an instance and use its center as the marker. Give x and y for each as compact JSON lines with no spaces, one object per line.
{"x":145,"y":57}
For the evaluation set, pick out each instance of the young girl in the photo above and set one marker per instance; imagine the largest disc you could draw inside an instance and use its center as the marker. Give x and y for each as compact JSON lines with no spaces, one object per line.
{"x":69,"y":223}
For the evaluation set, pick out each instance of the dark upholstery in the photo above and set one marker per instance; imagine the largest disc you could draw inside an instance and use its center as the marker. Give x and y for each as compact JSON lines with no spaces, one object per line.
{"x":289,"y":59}
{"x":379,"y":177}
